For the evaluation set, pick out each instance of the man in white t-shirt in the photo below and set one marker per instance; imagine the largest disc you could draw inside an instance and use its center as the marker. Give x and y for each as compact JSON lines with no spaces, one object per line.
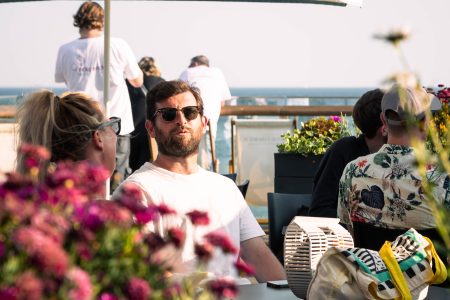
{"x":214,"y":92}
{"x":80,"y":66}
{"x":175,"y":119}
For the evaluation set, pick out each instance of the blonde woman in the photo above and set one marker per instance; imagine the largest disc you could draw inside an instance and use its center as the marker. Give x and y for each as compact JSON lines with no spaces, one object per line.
{"x":71,"y":127}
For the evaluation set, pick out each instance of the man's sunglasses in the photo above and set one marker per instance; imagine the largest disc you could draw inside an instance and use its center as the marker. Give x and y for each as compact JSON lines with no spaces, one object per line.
{"x":169,"y":114}
{"x":114,"y":122}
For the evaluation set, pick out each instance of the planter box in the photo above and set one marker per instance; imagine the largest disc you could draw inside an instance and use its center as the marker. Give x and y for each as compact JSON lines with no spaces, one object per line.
{"x":294,"y":173}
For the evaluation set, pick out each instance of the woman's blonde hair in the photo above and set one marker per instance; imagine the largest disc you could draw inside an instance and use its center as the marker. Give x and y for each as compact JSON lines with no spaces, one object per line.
{"x":62,"y":125}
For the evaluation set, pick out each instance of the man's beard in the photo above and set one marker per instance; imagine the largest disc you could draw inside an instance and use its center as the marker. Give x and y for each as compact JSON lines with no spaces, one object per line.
{"x":172,"y":145}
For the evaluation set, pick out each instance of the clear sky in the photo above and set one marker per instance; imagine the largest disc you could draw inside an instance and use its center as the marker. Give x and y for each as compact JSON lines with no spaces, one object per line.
{"x":255,"y":44}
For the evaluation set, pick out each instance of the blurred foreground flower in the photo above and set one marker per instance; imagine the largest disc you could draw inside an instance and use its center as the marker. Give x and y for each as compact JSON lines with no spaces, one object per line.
{"x":59,"y":241}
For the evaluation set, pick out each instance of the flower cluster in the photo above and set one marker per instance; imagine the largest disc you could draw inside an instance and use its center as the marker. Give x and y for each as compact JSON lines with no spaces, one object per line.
{"x":441,"y":118}
{"x":314,"y":136}
{"x":59,"y":240}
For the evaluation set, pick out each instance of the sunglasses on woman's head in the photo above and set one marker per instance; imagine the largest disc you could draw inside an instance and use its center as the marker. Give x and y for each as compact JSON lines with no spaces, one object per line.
{"x":114,"y":122}
{"x":169,"y":114}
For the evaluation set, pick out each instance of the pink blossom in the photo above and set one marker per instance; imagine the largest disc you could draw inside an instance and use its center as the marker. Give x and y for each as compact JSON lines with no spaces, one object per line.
{"x":2,"y":249}
{"x":223,"y":288}
{"x":146,"y":215}
{"x":51,"y":258}
{"x":29,"y":286}
{"x":82,"y":287}
{"x":336,"y":118}
{"x":8,"y":293}
{"x":163,"y":209}
{"x":34,"y":154}
{"x":131,"y":197}
{"x":204,"y":251}
{"x":95,"y":214}
{"x":243,"y":268}
{"x":108,"y":296}
{"x":53,"y":225}
{"x":222,"y":241}
{"x":176,"y":236}
{"x":138,"y":289}
{"x":198,"y":217}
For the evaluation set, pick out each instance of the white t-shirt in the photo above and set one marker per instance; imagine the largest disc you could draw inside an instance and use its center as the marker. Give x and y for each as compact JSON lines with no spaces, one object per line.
{"x":80,"y":66}
{"x":204,"y":191}
{"x":213,"y":90}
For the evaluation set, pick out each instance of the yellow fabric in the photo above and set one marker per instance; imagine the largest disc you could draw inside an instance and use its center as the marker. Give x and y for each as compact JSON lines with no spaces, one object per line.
{"x":396,"y":273}
{"x":441,"y":271}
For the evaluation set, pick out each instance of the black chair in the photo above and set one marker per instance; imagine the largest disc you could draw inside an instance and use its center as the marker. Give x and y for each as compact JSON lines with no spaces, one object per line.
{"x":243,"y":187}
{"x":282,"y":209}
{"x":232,"y":176}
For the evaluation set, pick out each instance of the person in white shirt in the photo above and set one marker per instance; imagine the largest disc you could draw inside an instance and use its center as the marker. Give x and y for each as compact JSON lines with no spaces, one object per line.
{"x":214,"y":91}
{"x":80,"y":65}
{"x":175,"y":119}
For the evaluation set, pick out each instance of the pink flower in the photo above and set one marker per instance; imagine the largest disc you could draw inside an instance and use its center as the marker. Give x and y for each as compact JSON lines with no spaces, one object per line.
{"x":244,"y":269}
{"x":176,"y":236}
{"x":336,"y":118}
{"x":82,"y":287}
{"x":222,"y":241}
{"x":163,"y":209}
{"x":34,"y":155}
{"x":108,"y":296}
{"x":95,"y":214}
{"x":53,"y":225}
{"x":2,"y":249}
{"x":204,"y":251}
{"x":8,"y":293}
{"x":131,"y":197}
{"x":223,"y":288}
{"x":138,"y":289}
{"x":146,"y":215}
{"x":50,"y":257}
{"x":198,"y":217}
{"x":29,"y":286}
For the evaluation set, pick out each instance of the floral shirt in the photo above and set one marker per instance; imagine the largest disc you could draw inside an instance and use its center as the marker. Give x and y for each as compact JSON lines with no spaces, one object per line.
{"x":384,"y":189}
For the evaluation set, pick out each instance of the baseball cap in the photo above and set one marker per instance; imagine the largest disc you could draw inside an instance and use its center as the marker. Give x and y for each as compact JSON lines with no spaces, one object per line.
{"x":409,"y":104}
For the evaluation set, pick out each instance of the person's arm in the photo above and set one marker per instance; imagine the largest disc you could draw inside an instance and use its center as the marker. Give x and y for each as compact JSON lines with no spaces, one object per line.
{"x":138,"y":81}
{"x":256,"y":253}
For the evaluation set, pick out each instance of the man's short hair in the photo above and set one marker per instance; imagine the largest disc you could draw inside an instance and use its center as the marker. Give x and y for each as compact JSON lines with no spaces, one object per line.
{"x":90,"y":15}
{"x":199,"y":60}
{"x":167,"y":89}
{"x":366,"y":112}
{"x":403,"y":106}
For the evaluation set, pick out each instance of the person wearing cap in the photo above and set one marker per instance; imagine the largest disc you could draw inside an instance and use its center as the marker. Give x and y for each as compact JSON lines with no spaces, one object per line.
{"x":380,"y":194}
{"x":214,"y":91}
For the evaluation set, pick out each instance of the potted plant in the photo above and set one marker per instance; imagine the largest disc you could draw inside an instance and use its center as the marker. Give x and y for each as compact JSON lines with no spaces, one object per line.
{"x":300,"y":154}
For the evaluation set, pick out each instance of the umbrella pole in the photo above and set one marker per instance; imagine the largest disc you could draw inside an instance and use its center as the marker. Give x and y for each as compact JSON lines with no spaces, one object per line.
{"x":106,"y":46}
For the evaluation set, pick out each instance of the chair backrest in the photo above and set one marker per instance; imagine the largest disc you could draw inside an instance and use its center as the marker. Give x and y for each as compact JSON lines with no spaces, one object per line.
{"x":282,"y":209}
{"x":243,"y":187}
{"x":232,"y":176}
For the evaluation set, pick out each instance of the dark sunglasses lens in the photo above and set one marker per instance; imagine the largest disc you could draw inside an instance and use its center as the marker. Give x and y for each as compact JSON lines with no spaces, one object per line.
{"x":169,"y":114}
{"x":116,"y":127}
{"x":190,"y":113}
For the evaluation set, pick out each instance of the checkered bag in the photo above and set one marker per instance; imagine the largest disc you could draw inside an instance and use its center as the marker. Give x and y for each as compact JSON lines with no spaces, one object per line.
{"x":400,"y":270}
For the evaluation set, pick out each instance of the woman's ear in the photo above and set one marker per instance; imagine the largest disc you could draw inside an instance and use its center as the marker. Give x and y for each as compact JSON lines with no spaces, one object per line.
{"x":150,"y":128}
{"x":97,"y":140}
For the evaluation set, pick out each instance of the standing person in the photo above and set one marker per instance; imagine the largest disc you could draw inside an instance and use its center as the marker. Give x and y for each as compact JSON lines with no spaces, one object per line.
{"x":366,"y":115}
{"x":380,"y":194}
{"x":80,"y":66}
{"x":140,"y":148}
{"x":175,"y":119}
{"x":214,"y":92}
